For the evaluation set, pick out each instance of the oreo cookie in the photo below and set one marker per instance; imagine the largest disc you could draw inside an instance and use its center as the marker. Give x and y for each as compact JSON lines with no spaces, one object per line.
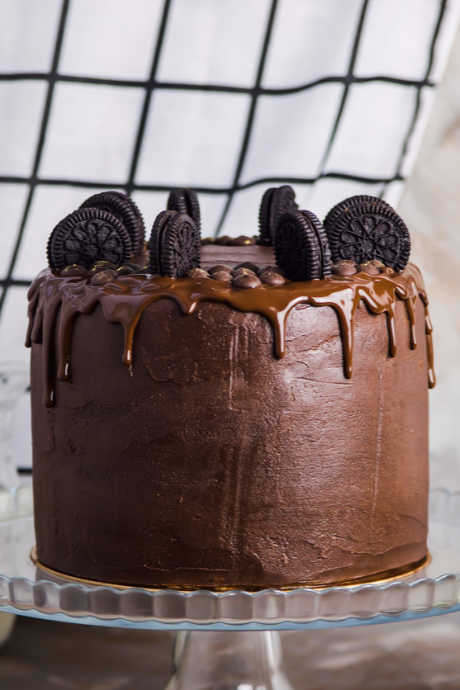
{"x":122,"y":207}
{"x":185,"y":201}
{"x":326,"y":260}
{"x":301,"y":247}
{"x":87,"y":236}
{"x":174,"y":245}
{"x":276,"y":201}
{"x":363,"y":228}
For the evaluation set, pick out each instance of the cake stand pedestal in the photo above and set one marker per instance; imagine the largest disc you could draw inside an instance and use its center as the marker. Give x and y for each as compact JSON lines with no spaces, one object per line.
{"x":227,"y":640}
{"x":6,"y":626}
{"x":243,"y":660}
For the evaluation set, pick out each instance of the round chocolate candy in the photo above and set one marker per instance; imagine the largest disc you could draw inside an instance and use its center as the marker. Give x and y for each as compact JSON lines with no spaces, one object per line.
{"x":301,"y":248}
{"x":87,"y":236}
{"x":247,"y":281}
{"x":220,"y":267}
{"x":129,"y":269}
{"x":174,"y":245}
{"x":222,"y":276}
{"x":243,"y":272}
{"x":101,"y":265}
{"x":276,"y":201}
{"x":74,"y":271}
{"x":241,"y":241}
{"x":103,"y":277}
{"x":363,"y":228}
{"x":223,"y":240}
{"x":271,"y":276}
{"x":344,"y":268}
{"x":198,"y":274}
{"x":370,"y":268}
{"x":185,"y":201}
{"x":122,"y":207}
{"x":249,"y":265}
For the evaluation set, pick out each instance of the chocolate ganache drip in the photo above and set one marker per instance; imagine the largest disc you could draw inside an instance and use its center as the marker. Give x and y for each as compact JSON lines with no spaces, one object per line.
{"x":55,"y":302}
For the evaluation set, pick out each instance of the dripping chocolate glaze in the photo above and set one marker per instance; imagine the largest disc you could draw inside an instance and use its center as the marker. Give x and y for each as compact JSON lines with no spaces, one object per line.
{"x":54,"y":303}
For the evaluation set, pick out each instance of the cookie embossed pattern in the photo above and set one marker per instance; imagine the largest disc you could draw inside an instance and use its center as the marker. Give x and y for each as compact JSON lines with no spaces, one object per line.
{"x":274,"y":324}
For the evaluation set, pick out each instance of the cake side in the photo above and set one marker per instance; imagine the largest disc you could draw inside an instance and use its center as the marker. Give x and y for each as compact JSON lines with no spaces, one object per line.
{"x":214,"y":463}
{"x":242,"y":412}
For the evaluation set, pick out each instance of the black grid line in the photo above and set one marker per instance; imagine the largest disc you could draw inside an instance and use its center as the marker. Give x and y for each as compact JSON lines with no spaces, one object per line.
{"x":13,"y":282}
{"x":346,"y":88}
{"x":152,"y":84}
{"x":215,"y":88}
{"x":251,"y":114}
{"x":39,"y":148}
{"x":418,"y":95}
{"x":149,"y":87}
{"x":137,"y":187}
{"x":24,"y":471}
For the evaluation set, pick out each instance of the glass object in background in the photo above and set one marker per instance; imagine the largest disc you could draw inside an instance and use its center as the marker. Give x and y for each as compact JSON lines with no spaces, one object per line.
{"x":15,"y":443}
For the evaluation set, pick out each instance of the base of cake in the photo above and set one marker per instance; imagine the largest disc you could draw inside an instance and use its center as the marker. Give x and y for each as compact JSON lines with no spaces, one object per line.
{"x":375,"y":578}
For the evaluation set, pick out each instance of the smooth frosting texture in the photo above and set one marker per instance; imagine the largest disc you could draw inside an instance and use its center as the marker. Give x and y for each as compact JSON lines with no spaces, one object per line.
{"x":195,"y":434}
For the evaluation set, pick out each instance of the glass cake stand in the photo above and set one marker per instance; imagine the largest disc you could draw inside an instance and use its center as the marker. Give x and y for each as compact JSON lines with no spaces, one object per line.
{"x":227,"y":639}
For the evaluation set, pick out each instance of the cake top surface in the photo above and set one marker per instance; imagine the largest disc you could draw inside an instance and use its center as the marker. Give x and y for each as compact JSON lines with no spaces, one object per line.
{"x":109,"y":227}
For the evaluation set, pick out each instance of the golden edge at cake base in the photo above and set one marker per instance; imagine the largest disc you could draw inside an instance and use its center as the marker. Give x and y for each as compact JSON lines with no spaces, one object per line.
{"x":377,"y":578}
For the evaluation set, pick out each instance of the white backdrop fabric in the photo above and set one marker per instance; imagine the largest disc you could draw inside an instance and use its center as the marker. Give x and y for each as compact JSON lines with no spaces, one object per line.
{"x":225,"y":96}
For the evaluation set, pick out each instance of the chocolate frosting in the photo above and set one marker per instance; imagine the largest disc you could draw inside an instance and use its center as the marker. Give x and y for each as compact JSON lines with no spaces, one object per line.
{"x":201,"y":435}
{"x":54,"y":302}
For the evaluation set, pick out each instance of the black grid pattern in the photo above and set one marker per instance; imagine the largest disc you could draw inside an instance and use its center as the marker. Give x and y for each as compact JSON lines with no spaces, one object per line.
{"x":153,"y":86}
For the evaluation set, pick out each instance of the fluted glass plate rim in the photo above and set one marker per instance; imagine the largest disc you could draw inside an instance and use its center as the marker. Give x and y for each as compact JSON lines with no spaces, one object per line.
{"x":301,"y":608}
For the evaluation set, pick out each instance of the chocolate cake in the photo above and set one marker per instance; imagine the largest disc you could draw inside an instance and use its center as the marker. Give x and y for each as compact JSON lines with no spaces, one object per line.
{"x":244,"y":412}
